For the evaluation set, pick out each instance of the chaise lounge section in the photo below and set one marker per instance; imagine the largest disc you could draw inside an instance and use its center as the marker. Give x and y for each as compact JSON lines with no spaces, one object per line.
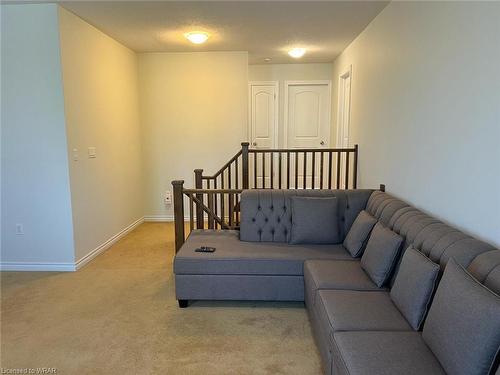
{"x":385,"y":298}
{"x":257,"y":262}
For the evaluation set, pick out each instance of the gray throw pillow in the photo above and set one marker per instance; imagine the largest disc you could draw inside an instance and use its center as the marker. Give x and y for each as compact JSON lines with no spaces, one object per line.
{"x":414,"y":285}
{"x":381,"y":253}
{"x":463,"y":325}
{"x":314,"y":220}
{"x":355,"y":240}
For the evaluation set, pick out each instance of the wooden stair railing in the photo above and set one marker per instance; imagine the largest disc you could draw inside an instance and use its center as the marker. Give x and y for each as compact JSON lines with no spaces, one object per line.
{"x":210,"y":208}
{"x":328,"y":168}
{"x":215,"y":201}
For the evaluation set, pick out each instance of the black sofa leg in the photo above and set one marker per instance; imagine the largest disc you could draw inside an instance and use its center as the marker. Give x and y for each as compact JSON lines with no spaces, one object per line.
{"x":183,"y":303}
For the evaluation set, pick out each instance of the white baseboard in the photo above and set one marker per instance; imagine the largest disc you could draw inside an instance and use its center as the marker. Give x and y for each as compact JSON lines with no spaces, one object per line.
{"x":22,"y":266}
{"x":106,"y":245}
{"x":162,"y":218}
{"x":168,"y":218}
{"x":158,"y":218}
{"x":65,"y":267}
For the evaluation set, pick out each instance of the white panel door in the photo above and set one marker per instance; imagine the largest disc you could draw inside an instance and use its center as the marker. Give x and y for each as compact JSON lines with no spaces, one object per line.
{"x":263,"y":115}
{"x":307,"y":123}
{"x":308,"y":115}
{"x":263,"y":126}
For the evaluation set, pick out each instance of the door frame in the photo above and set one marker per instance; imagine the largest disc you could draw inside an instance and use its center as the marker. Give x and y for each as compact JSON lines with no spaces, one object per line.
{"x":287,"y":84}
{"x":276,"y":108}
{"x":347,"y":72}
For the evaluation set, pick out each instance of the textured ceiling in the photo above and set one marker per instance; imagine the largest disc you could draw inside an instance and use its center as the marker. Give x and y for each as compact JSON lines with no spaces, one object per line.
{"x":264,"y":29}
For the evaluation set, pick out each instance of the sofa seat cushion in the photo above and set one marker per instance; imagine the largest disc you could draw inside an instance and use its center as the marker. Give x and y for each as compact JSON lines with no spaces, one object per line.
{"x":235,"y":257}
{"x":382,"y":353}
{"x":334,"y":274}
{"x":350,"y":310}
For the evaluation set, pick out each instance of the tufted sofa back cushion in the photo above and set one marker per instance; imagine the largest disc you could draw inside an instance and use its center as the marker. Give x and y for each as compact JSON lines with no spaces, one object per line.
{"x":435,"y":239}
{"x":266,"y":215}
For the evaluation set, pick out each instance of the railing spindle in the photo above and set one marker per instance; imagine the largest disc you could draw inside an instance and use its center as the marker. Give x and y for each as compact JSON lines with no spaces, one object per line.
{"x":222,"y":208}
{"x":330,"y":171}
{"x":198,"y":183}
{"x":296,"y":170}
{"x":263,"y":170}
{"x":211,"y":218}
{"x":191,"y":215}
{"x":231,"y":210}
{"x":272,"y":169}
{"x":346,"y":186}
{"x":313,"y":168}
{"x":288,"y":169}
{"x":279,"y":169}
{"x":236,"y":172}
{"x":304,"y":183}
{"x":255,"y":170}
{"x":338,"y":169}
{"x":321,"y":170}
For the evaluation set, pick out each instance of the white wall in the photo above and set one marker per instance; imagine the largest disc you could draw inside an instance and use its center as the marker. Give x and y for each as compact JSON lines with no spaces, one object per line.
{"x":102,"y":111}
{"x":426,"y":109}
{"x":35,"y":181}
{"x":193,"y":115}
{"x":288,"y":72}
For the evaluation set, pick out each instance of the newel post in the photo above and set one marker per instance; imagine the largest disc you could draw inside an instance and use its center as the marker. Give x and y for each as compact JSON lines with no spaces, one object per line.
{"x":198,"y":184}
{"x":178,"y":187}
{"x":244,"y":162}
{"x":355,"y":177}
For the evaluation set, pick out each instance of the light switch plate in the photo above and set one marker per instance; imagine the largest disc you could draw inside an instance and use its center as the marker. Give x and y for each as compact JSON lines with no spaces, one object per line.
{"x":92,"y":152}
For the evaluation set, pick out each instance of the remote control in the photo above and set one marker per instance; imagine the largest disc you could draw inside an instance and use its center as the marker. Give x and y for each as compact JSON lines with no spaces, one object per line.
{"x":205,"y":249}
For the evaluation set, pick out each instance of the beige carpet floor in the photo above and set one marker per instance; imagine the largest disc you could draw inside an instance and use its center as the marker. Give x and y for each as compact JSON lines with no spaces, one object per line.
{"x":118,"y":315}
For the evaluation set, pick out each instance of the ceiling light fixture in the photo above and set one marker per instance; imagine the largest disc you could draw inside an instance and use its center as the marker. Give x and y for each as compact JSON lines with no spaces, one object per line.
{"x":297,"y":53}
{"x":197,"y":37}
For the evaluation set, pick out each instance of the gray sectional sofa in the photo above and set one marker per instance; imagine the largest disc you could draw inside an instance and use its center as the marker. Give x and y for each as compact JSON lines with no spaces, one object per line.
{"x":388,"y":289}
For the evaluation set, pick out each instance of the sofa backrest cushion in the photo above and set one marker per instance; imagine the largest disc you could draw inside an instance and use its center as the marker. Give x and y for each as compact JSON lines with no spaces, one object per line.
{"x":314,"y":220}
{"x":433,"y":238}
{"x":484,"y":264}
{"x":357,"y":237}
{"x":493,"y":280}
{"x":463,"y":325}
{"x":381,"y":253}
{"x":266,"y":214}
{"x":414,"y":286}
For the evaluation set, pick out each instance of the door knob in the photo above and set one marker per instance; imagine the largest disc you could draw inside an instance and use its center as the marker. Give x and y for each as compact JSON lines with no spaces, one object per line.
{"x":322,"y":143}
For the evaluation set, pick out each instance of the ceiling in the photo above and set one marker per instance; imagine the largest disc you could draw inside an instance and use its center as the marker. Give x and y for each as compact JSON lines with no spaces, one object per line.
{"x":266,"y":29}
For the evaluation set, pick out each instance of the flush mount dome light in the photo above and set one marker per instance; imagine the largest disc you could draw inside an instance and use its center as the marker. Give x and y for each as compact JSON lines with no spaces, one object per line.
{"x":197,"y":37}
{"x":297,"y":53}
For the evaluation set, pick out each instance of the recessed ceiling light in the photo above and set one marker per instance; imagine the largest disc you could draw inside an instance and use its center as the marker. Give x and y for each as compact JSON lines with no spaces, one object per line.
{"x":267,"y":59}
{"x":297,"y":53}
{"x":197,"y":37}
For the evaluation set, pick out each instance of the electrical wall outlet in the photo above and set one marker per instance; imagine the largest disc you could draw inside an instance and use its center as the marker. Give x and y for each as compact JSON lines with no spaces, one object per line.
{"x":168,"y":197}
{"x":92,"y":152}
{"x":19,"y":229}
